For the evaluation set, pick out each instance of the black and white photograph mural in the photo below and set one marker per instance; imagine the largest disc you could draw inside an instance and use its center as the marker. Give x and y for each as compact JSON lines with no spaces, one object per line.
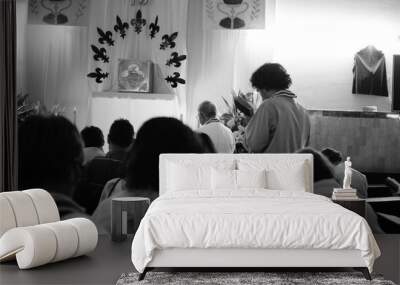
{"x":255,"y":140}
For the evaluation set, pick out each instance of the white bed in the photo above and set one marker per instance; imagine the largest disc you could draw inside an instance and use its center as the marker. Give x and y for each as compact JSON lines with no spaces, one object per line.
{"x":231,"y":210}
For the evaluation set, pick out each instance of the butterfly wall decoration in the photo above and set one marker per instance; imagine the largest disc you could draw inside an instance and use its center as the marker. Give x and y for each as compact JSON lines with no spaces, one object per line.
{"x":100,"y":54}
{"x":168,"y":40}
{"x":154,"y":28}
{"x":105,"y":37}
{"x":138,"y":22}
{"x":99,"y":75}
{"x":176,"y":59}
{"x":121,"y":27}
{"x":175,"y":79}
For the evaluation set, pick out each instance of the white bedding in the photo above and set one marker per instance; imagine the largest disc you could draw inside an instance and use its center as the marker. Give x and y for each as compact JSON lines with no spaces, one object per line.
{"x":250,"y":219}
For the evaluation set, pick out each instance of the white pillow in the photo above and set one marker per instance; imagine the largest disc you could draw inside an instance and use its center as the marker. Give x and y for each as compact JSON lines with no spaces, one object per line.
{"x":188,"y":177}
{"x":226,"y":179}
{"x":251,"y":179}
{"x":280,"y":180}
{"x":282,"y":174}
{"x":223,"y":179}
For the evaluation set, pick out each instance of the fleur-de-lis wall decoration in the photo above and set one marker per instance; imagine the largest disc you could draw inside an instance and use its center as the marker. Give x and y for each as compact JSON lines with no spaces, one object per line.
{"x":105,"y":37}
{"x":121,"y":27}
{"x":138,"y":22}
{"x":100,"y":54}
{"x":175,"y":79}
{"x":98,"y":74}
{"x":168,"y":40}
{"x":154,"y":28}
{"x":176,"y":59}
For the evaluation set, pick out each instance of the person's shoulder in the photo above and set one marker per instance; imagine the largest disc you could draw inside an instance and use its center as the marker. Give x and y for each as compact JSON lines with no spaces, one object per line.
{"x":112,"y":181}
{"x":208,"y":128}
{"x":268,"y":106}
{"x":114,"y":184}
{"x":224,"y":128}
{"x":202,"y":128}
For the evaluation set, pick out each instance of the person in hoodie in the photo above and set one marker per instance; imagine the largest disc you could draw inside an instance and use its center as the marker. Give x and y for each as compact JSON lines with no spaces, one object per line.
{"x":280,"y":124}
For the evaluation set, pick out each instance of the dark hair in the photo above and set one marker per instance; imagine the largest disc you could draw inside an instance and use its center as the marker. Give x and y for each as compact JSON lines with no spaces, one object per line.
{"x":156,"y":136}
{"x":92,"y":137}
{"x":333,"y":155}
{"x":121,"y":133}
{"x":207,"y":143}
{"x":271,"y":76}
{"x":208,"y":109}
{"x":50,"y":154}
{"x":323,"y":169}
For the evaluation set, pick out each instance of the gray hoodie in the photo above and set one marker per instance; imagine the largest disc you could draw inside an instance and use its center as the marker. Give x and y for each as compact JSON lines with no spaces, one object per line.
{"x":280,"y":125}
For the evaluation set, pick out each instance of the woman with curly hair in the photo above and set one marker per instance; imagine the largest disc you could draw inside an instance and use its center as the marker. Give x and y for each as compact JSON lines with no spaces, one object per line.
{"x":280,"y":124}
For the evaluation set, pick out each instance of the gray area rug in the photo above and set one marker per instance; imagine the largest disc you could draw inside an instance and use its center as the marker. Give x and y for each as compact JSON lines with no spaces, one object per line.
{"x":269,"y":278}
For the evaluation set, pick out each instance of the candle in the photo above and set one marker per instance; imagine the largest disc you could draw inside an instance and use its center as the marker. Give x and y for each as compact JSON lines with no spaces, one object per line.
{"x":75,"y":114}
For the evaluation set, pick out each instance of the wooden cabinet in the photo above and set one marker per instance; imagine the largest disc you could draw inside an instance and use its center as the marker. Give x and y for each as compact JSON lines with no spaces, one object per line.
{"x":357,"y":206}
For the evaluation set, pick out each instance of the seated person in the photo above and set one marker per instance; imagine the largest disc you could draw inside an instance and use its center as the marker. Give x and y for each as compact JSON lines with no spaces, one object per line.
{"x":93,"y":141}
{"x":358,"y":180}
{"x":120,"y":139}
{"x":324,"y":181}
{"x":102,"y":169}
{"x":156,"y":136}
{"x":95,"y":175}
{"x":50,"y":156}
{"x":220,"y":135}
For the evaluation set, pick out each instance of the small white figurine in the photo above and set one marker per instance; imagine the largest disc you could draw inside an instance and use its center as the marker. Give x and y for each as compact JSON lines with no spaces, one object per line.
{"x":347,"y":174}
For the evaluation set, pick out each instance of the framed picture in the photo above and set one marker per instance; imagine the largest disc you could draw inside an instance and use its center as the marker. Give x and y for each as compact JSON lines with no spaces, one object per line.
{"x":135,"y":76}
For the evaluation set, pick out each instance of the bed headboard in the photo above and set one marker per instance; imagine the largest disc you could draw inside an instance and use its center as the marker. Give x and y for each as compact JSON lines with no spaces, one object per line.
{"x":290,"y":165}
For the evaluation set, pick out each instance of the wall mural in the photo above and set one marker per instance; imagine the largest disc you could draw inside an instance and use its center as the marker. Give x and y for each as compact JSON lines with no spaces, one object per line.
{"x":234,"y":14}
{"x":135,"y":75}
{"x":58,"y":12}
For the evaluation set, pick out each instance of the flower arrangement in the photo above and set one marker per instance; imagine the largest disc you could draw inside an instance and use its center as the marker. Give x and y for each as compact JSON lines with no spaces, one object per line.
{"x":238,"y":115}
{"x":26,"y":108}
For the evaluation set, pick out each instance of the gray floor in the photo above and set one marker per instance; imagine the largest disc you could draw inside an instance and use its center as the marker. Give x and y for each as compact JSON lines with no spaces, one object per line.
{"x":110,"y":260}
{"x":103,"y":266}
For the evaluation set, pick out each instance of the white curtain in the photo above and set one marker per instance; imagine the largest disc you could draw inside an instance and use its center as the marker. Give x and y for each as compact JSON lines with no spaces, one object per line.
{"x":52,"y":65}
{"x":223,"y":60}
{"x":172,"y":17}
{"x":22,"y":17}
{"x":56,"y":69}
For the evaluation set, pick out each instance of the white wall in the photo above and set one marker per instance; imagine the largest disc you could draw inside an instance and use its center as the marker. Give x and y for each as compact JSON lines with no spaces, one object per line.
{"x":136,"y":107}
{"x":316,"y":41}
